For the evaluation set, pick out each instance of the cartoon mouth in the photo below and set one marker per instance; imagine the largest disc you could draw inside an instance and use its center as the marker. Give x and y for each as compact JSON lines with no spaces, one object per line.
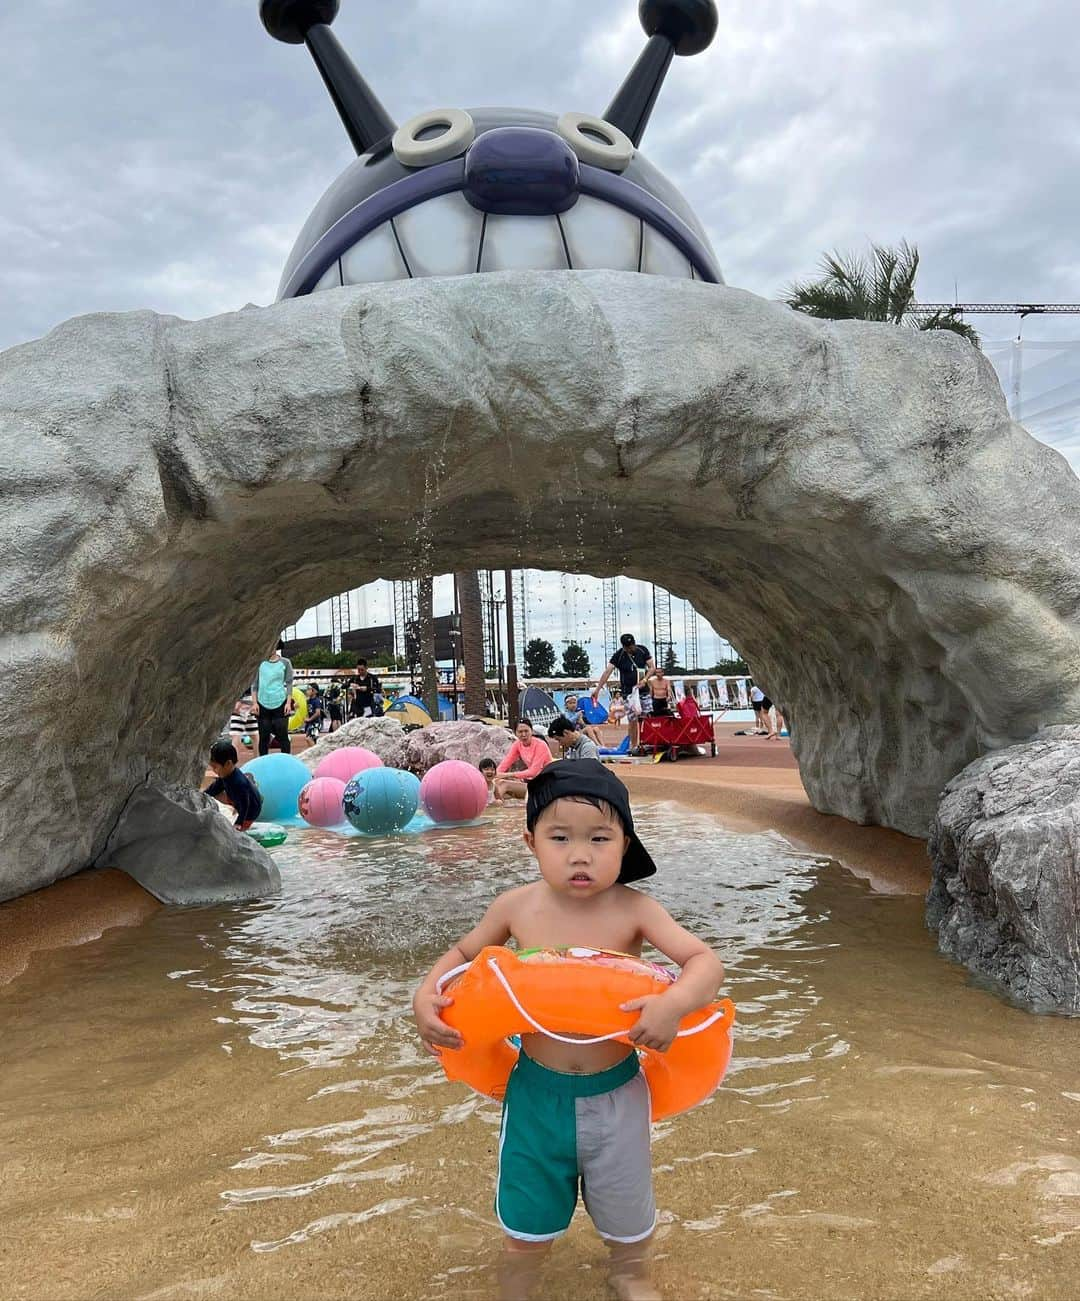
{"x":424,"y":226}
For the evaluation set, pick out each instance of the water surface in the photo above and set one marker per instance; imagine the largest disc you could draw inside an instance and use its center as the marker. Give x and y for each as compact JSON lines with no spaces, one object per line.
{"x":231,"y":1102}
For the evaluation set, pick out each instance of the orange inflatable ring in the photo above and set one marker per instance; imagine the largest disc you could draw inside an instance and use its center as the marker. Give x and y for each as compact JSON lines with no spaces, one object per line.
{"x":576,"y":992}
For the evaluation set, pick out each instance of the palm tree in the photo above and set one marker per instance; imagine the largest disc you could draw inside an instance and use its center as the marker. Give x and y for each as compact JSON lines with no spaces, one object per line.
{"x":472,"y":639}
{"x":877,"y":287}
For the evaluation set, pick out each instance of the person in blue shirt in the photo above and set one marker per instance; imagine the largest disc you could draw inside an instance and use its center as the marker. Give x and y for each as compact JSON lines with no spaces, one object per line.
{"x":232,"y":786}
{"x":271,"y":694}
{"x":315,"y":714}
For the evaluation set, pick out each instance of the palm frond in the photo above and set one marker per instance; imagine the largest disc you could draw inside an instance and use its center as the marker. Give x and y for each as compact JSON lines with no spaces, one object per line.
{"x":824,"y":300}
{"x":948,"y":321}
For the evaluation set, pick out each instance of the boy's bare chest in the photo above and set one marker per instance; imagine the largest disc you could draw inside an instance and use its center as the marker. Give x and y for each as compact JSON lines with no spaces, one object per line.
{"x":545,"y":926}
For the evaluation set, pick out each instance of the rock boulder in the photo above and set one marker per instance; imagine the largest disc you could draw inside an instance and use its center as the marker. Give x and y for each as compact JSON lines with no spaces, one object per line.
{"x":1005,"y":845}
{"x":468,"y":741}
{"x":176,"y":844}
{"x":382,"y":736}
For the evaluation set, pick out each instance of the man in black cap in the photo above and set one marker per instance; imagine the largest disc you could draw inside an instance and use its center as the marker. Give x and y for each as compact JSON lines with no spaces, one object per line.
{"x":578,"y":1111}
{"x":634,"y":663}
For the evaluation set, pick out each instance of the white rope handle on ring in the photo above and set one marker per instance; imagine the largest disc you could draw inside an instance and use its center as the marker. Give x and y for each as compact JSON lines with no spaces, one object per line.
{"x":598,"y":1039}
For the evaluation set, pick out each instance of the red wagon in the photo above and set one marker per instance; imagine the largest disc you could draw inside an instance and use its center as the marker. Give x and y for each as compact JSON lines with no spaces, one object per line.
{"x":671,"y":732}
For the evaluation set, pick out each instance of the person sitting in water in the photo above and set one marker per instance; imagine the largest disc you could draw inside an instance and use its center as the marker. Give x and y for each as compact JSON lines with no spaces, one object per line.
{"x":487,"y":769}
{"x":578,"y":1113}
{"x":577,"y":717}
{"x":532,"y":752}
{"x":233,"y":787}
{"x":662,"y":692}
{"x":573,"y":743}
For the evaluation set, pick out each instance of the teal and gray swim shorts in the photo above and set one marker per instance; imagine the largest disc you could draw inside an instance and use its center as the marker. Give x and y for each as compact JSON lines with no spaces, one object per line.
{"x":560,"y":1129}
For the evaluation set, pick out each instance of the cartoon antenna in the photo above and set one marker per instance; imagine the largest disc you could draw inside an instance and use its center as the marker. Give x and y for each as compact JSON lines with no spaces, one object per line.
{"x":673,"y":27}
{"x":307,"y":22}
{"x":458,"y":191}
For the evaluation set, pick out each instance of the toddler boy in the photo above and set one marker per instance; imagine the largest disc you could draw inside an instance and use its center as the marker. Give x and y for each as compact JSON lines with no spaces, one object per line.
{"x":233,"y":787}
{"x":578,"y":1111}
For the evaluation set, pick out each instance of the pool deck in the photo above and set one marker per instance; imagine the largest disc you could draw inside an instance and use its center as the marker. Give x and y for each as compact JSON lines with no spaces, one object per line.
{"x":752,"y":785}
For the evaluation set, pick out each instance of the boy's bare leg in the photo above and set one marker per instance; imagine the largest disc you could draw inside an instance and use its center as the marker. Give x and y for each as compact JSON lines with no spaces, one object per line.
{"x":519,"y":1268}
{"x":628,"y":1266}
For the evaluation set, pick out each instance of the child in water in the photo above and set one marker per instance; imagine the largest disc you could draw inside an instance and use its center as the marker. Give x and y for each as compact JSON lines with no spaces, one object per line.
{"x":487,"y":768}
{"x":233,"y":787}
{"x":579,"y":1111}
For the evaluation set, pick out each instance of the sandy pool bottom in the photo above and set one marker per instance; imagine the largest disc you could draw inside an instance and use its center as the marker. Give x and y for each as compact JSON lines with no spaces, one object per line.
{"x":231,"y":1102}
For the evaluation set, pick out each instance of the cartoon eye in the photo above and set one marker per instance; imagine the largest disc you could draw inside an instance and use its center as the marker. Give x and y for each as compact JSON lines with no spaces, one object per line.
{"x":596,"y":141}
{"x":433,"y":137}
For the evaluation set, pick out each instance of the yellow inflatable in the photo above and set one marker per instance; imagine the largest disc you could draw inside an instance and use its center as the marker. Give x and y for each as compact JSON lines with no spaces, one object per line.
{"x":298,"y":717}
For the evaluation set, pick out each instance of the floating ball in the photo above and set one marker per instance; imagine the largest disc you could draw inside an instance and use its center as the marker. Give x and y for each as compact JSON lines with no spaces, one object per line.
{"x":280,"y":779}
{"x":345,"y":763}
{"x":381,"y":800}
{"x":453,"y":791}
{"x":319,"y":803}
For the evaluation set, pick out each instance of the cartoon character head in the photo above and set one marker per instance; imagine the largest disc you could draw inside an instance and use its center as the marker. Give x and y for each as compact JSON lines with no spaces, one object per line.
{"x":454,"y":192}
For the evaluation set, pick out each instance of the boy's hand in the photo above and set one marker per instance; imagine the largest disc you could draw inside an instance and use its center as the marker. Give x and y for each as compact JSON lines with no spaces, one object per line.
{"x":658,"y":1023}
{"x":434,"y":1032}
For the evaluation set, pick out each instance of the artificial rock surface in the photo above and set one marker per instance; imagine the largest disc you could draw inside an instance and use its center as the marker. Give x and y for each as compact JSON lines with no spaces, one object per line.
{"x":1005,"y":845}
{"x":469,"y":742}
{"x":175,"y":842}
{"x":848,"y":502}
{"x":382,"y":736}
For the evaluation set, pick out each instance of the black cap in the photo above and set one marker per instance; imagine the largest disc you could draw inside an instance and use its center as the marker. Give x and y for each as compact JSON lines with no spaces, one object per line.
{"x":627,"y":639}
{"x":589,"y":778}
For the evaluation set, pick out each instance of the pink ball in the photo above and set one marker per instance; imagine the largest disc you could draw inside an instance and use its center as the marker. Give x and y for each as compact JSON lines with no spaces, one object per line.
{"x":345,"y":763}
{"x":319,"y":803}
{"x":454,"y":791}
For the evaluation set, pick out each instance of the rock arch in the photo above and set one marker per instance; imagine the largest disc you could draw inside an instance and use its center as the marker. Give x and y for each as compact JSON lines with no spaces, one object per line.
{"x":849,"y":502}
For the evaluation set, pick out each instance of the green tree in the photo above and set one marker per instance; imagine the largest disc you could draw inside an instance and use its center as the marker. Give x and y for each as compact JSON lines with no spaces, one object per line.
{"x":316,"y":657}
{"x":539,"y":658}
{"x":575,"y":661}
{"x":671,"y":663}
{"x":878,"y":286}
{"x":734,"y":668}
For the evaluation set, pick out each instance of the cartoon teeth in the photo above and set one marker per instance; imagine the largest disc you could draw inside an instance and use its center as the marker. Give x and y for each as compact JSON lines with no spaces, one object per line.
{"x":458,"y":192}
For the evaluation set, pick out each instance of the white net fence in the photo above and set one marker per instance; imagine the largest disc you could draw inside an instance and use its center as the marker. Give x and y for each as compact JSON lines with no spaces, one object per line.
{"x":1041,"y":379}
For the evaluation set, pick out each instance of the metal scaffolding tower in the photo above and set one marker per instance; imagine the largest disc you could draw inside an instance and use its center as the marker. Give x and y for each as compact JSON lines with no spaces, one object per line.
{"x":661,"y":622}
{"x":521,"y":616}
{"x":406,"y":616}
{"x":339,"y":620}
{"x":611,"y":615}
{"x":691,"y":646}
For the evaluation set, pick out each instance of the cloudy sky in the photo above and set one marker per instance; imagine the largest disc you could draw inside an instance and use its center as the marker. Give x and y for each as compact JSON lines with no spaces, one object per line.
{"x":165,"y":153}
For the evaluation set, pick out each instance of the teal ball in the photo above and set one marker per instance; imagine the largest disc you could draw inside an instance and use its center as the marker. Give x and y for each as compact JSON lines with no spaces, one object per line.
{"x":379,"y":801}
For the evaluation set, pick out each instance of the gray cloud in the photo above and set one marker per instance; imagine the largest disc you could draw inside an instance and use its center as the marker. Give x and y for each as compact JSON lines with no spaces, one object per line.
{"x":165,"y":154}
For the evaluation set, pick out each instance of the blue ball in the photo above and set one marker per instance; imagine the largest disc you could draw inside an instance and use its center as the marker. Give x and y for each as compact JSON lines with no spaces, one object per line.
{"x":380,"y":800}
{"x":280,"y":779}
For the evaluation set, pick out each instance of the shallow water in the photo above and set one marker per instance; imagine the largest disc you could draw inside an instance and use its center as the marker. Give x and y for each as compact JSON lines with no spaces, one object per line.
{"x":232,"y":1102}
